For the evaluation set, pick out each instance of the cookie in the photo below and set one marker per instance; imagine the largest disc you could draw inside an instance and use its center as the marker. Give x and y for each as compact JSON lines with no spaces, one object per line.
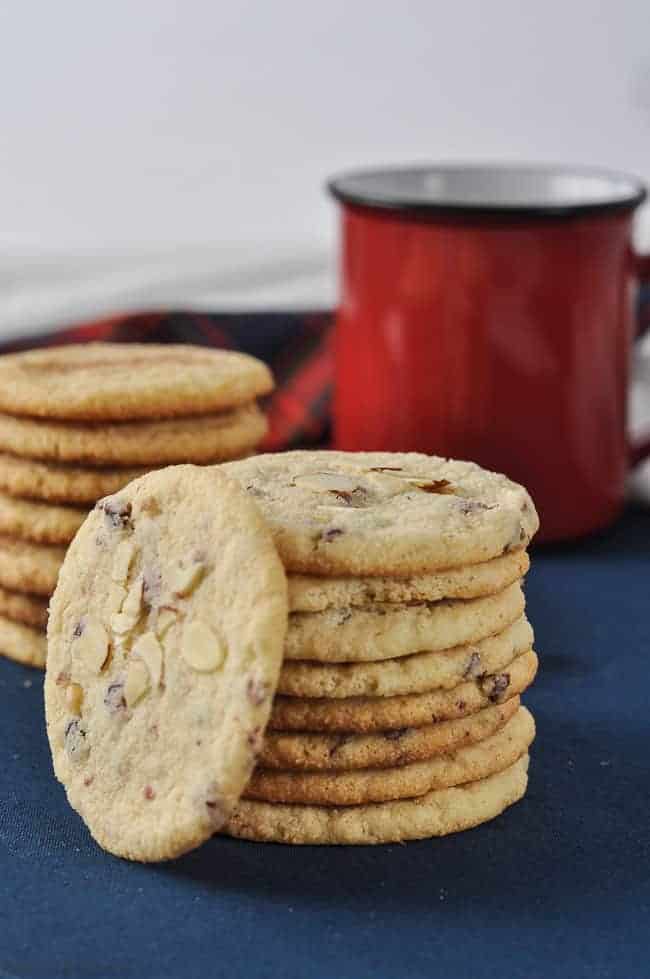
{"x":382,"y":632}
{"x":118,"y":381}
{"x":341,"y":752}
{"x":22,"y":643}
{"x":365,"y":714}
{"x":355,"y":788}
{"x":61,"y":483}
{"x":29,"y":567}
{"x":164,"y":649}
{"x":437,"y":813}
{"x":21,"y":607}
{"x":314,"y":593}
{"x":42,"y":523}
{"x":382,"y":513}
{"x":205,"y":439}
{"x":408,"y":674}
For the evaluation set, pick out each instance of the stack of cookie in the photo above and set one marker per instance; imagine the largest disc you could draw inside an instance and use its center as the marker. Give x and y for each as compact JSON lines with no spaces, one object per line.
{"x":78,"y":423}
{"x":398,"y":712}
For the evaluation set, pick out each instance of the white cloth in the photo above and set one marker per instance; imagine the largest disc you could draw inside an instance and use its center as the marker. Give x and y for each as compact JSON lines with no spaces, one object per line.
{"x":41,"y":291}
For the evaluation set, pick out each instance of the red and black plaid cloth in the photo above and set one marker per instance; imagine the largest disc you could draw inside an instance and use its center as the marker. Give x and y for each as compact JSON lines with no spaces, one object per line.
{"x":296,"y":347}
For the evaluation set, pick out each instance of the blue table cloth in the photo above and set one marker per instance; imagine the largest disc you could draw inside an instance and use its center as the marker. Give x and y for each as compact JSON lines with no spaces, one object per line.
{"x":557,"y":886}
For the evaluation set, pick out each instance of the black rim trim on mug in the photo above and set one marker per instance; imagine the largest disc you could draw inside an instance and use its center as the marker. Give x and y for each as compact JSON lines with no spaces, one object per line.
{"x":418,"y":208}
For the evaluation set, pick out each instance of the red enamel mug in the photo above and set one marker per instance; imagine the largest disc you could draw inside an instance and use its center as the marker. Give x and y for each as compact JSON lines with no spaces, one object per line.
{"x":488,"y":313}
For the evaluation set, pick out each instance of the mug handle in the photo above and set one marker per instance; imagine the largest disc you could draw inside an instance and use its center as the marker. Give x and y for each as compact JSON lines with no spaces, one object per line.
{"x":641,"y":450}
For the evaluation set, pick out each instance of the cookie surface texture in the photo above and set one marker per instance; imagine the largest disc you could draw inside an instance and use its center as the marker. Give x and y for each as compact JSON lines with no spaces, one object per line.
{"x":316,"y":593}
{"x":206,"y":438}
{"x":365,"y":714}
{"x":407,"y":674}
{"x":434,"y":814}
{"x":381,"y":632}
{"x":42,"y":523}
{"x":116,"y":381}
{"x":376,"y":513}
{"x":22,"y":643}
{"x":29,"y":567}
{"x":23,"y":607}
{"x":164,"y":649}
{"x":61,"y":483}
{"x":467,"y":764}
{"x":385,"y":749}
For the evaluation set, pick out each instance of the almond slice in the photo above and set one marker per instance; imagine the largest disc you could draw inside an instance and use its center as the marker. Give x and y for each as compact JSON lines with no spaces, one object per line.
{"x":136,"y":683}
{"x":116,"y":596}
{"x":201,"y":648}
{"x":442,"y":486}
{"x":122,"y":624}
{"x":133,"y":601}
{"x":92,"y":645}
{"x":124,"y":554}
{"x":150,"y":652}
{"x":330,"y":482}
{"x":167,"y":617}
{"x":186,"y":578}
{"x":74,"y":696}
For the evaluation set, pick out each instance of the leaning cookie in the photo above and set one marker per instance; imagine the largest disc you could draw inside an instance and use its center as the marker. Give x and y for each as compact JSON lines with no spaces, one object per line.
{"x":164,"y":649}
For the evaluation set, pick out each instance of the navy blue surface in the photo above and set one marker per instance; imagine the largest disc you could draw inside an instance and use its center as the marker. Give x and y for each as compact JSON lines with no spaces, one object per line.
{"x":558,"y":886}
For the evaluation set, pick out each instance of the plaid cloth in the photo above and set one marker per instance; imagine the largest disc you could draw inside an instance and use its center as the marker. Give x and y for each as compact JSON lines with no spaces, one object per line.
{"x":296,"y":347}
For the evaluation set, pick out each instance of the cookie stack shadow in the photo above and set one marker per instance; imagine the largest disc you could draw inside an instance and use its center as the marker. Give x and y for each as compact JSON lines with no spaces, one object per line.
{"x":78,"y":423}
{"x":398,"y":712}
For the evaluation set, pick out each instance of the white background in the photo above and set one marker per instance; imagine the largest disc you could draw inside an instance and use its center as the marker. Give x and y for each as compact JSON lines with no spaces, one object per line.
{"x":155,"y":152}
